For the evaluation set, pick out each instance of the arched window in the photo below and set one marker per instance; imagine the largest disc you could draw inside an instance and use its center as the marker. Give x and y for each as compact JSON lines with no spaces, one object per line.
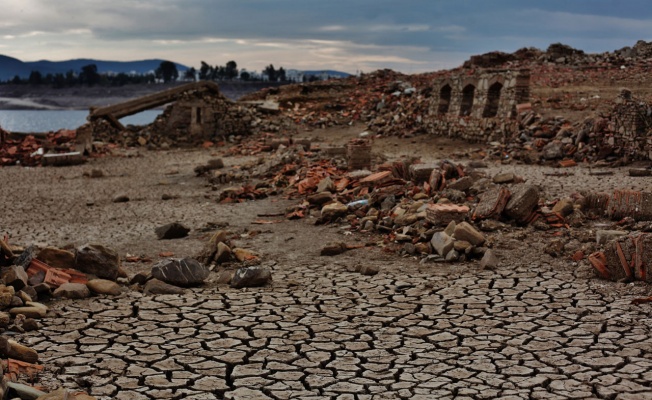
{"x":493,"y":99}
{"x":468,"y":94}
{"x":444,"y":98}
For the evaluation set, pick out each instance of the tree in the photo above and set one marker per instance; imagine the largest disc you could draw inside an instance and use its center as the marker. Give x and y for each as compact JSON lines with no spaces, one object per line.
{"x":35,"y":78}
{"x":281,"y":74}
{"x":167,"y":71}
{"x":231,"y":70}
{"x":271,"y":72}
{"x":245,"y":76}
{"x":204,"y":71}
{"x":190,"y":74}
{"x":89,"y":75}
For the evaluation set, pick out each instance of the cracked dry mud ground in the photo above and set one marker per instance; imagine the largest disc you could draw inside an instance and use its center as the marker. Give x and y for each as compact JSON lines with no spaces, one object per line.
{"x":536,"y":327}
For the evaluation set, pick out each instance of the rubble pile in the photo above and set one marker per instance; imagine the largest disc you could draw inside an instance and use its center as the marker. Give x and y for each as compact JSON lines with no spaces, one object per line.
{"x":30,"y":150}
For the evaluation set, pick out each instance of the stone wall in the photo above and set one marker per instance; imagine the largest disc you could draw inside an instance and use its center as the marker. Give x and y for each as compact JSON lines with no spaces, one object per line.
{"x":478,"y":106}
{"x":631,"y":121}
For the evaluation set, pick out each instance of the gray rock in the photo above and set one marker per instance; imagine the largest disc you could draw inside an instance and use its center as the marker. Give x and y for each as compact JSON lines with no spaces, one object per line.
{"x":522,"y":202}
{"x":174,"y":230}
{"x":465,"y":231}
{"x":72,"y":291}
{"x":489,"y":260}
{"x":251,"y":277}
{"x":15,"y":277}
{"x":120,"y":198}
{"x":155,"y":286}
{"x":442,"y":243}
{"x":104,"y":286}
{"x":25,"y":392}
{"x":180,"y":272}
{"x":98,"y":260}
{"x":603,"y":237}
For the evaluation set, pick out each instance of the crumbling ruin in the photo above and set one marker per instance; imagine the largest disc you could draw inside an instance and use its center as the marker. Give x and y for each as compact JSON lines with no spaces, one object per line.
{"x":479,"y":106}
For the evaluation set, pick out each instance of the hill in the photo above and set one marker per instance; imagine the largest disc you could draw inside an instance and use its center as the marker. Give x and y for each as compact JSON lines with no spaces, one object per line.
{"x":10,"y":67}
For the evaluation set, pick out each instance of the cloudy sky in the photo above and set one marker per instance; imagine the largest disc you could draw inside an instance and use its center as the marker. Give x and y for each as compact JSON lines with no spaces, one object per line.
{"x":347,"y":35}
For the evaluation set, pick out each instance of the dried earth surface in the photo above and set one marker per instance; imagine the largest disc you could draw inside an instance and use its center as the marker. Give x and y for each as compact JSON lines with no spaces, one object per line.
{"x":535,"y":327}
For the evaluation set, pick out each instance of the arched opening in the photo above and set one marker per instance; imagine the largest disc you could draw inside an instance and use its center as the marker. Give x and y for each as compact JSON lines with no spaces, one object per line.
{"x":444,"y":98}
{"x":468,"y":93}
{"x":493,"y":99}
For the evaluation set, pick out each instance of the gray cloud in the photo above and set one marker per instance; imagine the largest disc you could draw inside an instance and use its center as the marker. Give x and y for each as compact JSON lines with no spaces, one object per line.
{"x":411,"y":35}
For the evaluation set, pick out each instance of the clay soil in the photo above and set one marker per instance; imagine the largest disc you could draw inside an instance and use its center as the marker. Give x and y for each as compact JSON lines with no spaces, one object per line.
{"x":535,"y":327}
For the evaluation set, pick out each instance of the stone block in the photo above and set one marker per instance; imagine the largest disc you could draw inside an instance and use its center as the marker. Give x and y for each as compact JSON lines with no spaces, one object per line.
{"x":522,"y":203}
{"x":442,"y":243}
{"x":492,"y":203}
{"x":443,"y":214}
{"x":465,"y":231}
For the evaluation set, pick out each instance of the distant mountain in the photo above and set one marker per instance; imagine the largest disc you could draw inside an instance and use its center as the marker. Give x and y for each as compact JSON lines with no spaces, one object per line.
{"x":10,"y":67}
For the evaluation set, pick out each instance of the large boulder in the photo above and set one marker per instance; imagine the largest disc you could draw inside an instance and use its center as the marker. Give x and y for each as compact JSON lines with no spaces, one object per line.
{"x":180,"y":272}
{"x":98,"y":260}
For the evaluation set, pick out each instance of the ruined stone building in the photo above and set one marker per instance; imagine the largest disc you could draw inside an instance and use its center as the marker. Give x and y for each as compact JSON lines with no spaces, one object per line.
{"x":631,"y":125}
{"x":478,"y":106}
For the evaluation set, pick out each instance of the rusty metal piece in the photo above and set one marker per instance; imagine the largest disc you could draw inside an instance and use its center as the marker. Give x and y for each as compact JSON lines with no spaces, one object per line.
{"x":599,"y":261}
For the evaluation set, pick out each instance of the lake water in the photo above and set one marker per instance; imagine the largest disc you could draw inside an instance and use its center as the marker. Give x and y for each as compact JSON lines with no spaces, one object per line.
{"x":53,"y":120}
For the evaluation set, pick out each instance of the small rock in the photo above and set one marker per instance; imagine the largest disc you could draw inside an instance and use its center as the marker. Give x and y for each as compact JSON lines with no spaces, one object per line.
{"x":465,"y":231}
{"x":506,"y":177}
{"x":491,"y":225}
{"x":15,"y":277}
{"x":555,"y":248}
{"x":104,"y":286}
{"x":333,"y":249}
{"x":489,"y":260}
{"x":564,"y":207}
{"x":243,"y":255}
{"x":174,"y":230}
{"x":326,"y":185}
{"x":140,"y":278}
{"x":96,"y":173}
{"x":120,"y":198}
{"x":98,"y":260}
{"x":331,"y":212}
{"x":369,"y":270}
{"x":603,"y":237}
{"x":452,"y":256}
{"x":442,"y":243}
{"x":66,"y":394}
{"x":180,"y":272}
{"x":30,"y":310}
{"x":6,"y":294}
{"x":461,"y":245}
{"x":72,"y":291}
{"x":57,"y":258}
{"x":224,"y":277}
{"x":26,"y":392}
{"x":251,"y":277}
{"x":223,"y":254}
{"x":155,"y":286}
{"x":320,"y":198}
